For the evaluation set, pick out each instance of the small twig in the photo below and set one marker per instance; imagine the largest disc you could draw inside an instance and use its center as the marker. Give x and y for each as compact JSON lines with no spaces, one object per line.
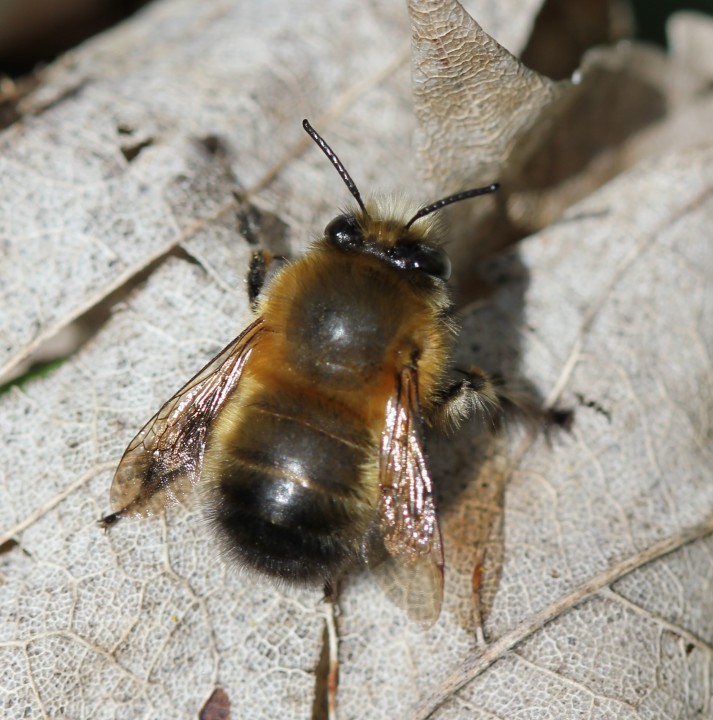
{"x":330,"y":614}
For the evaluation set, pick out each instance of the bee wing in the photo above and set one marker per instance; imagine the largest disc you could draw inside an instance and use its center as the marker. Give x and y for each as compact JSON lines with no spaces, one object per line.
{"x":412,"y":572}
{"x":163,"y":462}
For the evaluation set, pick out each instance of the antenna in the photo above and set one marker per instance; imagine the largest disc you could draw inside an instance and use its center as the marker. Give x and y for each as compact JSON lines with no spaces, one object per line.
{"x":428,"y":209}
{"x":337,"y":164}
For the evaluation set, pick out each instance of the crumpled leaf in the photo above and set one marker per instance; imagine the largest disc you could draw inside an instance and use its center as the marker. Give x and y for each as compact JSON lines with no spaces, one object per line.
{"x":483,"y":115}
{"x":595,"y":579}
{"x":473,"y":100}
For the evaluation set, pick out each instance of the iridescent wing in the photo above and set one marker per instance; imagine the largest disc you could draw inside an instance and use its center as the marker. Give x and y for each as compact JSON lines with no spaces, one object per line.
{"x":162,"y":464}
{"x":411,"y":572}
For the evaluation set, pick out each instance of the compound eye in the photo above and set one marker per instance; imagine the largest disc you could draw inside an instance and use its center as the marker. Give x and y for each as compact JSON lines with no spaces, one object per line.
{"x":344,"y":231}
{"x":431,"y":260}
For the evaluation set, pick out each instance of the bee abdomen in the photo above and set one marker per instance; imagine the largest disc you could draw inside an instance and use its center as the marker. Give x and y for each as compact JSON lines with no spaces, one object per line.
{"x":289,"y":499}
{"x":281,"y":528}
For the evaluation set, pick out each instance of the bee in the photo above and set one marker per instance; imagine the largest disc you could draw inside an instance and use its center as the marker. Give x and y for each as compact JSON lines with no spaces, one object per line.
{"x":305,"y":435}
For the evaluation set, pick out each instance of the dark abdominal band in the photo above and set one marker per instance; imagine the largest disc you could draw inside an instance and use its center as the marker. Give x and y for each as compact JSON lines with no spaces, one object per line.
{"x":287,"y":500}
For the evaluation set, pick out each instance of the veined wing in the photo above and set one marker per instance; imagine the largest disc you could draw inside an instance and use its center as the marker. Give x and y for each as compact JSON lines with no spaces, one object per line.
{"x":162,"y":464}
{"x":412,"y":572}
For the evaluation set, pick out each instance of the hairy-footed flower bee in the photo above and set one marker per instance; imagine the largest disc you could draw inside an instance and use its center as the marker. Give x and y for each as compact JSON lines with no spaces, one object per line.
{"x":305,"y":434}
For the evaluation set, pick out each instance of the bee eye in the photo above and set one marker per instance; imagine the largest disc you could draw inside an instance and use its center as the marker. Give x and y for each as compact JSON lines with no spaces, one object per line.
{"x":430,"y":260}
{"x":344,"y":231}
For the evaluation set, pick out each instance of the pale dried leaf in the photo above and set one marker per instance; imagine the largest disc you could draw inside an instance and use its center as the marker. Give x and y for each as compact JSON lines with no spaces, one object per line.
{"x":474,"y":101}
{"x":484,"y":116}
{"x":593,"y":603}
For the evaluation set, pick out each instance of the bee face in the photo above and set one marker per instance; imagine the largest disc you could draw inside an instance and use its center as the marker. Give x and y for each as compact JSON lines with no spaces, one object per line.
{"x":306,"y":433}
{"x":391,"y":242}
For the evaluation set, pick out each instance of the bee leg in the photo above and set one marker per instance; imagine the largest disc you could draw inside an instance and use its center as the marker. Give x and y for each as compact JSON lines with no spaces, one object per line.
{"x":256,"y":274}
{"x":493,"y":397}
{"x":262,"y":263}
{"x":108,"y":520}
{"x":558,"y":418}
{"x":478,"y":392}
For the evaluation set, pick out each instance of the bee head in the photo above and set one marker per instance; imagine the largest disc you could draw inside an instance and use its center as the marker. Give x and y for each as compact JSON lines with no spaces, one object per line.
{"x":392,"y":241}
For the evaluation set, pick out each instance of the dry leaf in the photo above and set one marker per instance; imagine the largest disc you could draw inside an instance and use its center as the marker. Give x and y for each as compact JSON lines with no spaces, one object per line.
{"x":180,"y":129}
{"x":483,"y":115}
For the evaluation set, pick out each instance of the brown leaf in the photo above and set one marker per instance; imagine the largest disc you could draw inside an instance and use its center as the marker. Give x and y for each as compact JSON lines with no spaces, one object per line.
{"x":217,"y":707}
{"x":484,"y":115}
{"x":474,"y":101}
